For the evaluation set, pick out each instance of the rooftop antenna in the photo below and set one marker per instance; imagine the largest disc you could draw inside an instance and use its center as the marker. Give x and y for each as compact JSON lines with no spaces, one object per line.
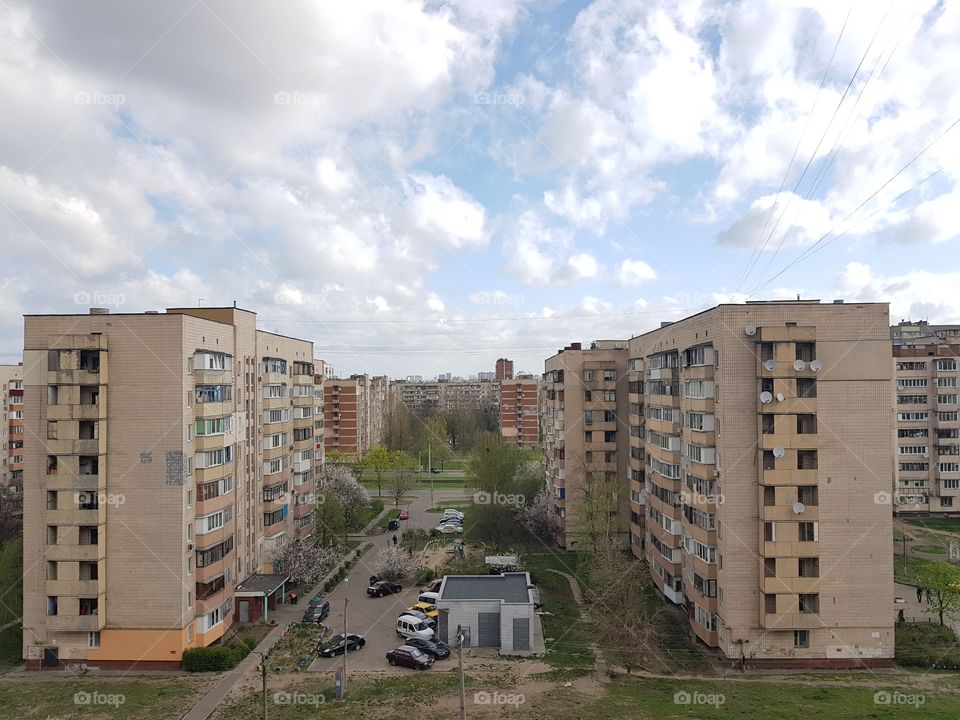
{"x":200,"y":301}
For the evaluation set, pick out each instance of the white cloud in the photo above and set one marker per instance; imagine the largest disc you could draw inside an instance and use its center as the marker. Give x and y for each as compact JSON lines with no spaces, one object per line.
{"x":915,"y":294}
{"x":444,"y":212}
{"x":634,"y":272}
{"x":539,"y":254}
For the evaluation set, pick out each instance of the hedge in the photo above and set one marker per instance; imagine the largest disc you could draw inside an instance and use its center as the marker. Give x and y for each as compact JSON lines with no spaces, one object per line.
{"x":217,"y":658}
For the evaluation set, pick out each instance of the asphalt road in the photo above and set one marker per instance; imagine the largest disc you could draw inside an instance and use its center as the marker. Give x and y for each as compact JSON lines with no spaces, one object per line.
{"x":375,"y":618}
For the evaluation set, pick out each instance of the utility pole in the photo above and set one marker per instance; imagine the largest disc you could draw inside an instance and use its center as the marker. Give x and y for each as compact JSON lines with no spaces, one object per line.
{"x":430,"y":467}
{"x":263,"y":672}
{"x":346,"y":587}
{"x":463,"y":699}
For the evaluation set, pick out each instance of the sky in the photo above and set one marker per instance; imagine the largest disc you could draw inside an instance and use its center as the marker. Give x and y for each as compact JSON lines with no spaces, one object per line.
{"x":423,"y":187}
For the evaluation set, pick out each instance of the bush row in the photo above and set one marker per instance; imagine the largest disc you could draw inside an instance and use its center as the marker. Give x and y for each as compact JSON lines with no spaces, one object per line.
{"x":218,"y":657}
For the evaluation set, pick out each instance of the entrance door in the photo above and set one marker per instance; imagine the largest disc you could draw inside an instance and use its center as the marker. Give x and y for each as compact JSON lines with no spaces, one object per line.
{"x":488,"y":629}
{"x":51,"y":657}
{"x":244,"y":611}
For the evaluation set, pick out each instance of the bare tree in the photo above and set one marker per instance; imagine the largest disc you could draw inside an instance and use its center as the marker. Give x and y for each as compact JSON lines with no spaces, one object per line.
{"x":402,"y":479}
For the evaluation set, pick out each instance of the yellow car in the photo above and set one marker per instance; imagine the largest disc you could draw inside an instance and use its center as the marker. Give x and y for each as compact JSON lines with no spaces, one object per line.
{"x":427,"y":609}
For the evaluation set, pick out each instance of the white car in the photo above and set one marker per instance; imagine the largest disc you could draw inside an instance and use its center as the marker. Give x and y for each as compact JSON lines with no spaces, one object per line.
{"x":409,"y":626}
{"x":450,"y":512}
{"x":449,"y":528}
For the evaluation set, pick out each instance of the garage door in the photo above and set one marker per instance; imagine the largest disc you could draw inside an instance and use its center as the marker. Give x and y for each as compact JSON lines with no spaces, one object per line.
{"x":521,"y":633}
{"x":488,"y":629}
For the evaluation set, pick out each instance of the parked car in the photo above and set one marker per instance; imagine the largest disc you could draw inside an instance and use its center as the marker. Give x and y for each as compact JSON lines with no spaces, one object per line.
{"x":404,"y":515}
{"x":409,"y":657}
{"x":452,"y":512}
{"x":449,"y":528}
{"x":429,"y":597}
{"x":382,"y":587}
{"x":335,"y":645}
{"x":452,"y":521}
{"x":409,"y":626}
{"x":434,"y":648}
{"x":433,"y":586}
{"x":317,"y":613}
{"x":420,"y":614}
{"x":317,"y":599}
{"x":435,"y":471}
{"x":393,"y":524}
{"x":428,"y":609}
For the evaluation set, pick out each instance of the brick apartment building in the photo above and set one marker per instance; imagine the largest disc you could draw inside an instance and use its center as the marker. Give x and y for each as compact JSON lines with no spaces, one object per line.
{"x":519,"y":411}
{"x":11,"y":437}
{"x":355,"y":411}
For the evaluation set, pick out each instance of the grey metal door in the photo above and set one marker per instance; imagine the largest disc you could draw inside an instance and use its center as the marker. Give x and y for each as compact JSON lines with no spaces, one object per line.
{"x":442,"y":628}
{"x":488,"y":629}
{"x":521,"y":633}
{"x":244,"y":611}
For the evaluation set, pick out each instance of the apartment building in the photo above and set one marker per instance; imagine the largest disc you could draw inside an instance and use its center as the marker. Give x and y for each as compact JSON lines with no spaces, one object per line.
{"x":174,"y":453}
{"x":519,"y":411}
{"x":927,"y":462}
{"x":584,"y":436}
{"x":504,"y":369}
{"x":11,"y":437}
{"x":763,"y":472}
{"x":426,"y":397}
{"x":355,"y":411}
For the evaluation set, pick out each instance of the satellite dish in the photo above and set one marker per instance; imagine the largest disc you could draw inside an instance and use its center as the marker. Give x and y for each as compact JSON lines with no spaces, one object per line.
{"x":900,"y":386}
{"x":750,"y":329}
{"x":779,"y":452}
{"x":766,"y":397}
{"x":779,"y":397}
{"x":815,"y":365}
{"x":798,"y":508}
{"x":799,"y":365}
{"x":770,"y":365}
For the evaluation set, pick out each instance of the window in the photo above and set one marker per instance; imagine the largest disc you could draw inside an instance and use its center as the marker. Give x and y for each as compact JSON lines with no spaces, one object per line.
{"x":808,"y":567}
{"x":697,"y":356}
{"x":806,"y":424}
{"x":808,"y":495}
{"x":213,"y":426}
{"x":911,"y":365}
{"x":273,"y":392}
{"x":947,"y":399}
{"x":806,"y":351}
{"x":806,"y":387}
{"x":769,"y":567}
{"x":767,"y":425}
{"x":769,"y":533}
{"x":946,"y":502}
{"x":914,"y":467}
{"x":911,"y":383}
{"x":51,"y":605}
{"x":808,"y":532}
{"x":274,"y":517}
{"x":801,"y":638}
{"x":215,"y":457}
{"x":769,"y":496}
{"x":806,"y":459}
{"x":51,"y":429}
{"x":770,"y":604}
{"x":913,"y":416}
{"x":914,"y":433}
{"x":212,"y":361}
{"x":213,"y":393}
{"x":913,"y":450}
{"x":766,"y":351}
{"x":275,"y":365}
{"x":698,"y":389}
{"x":809,"y":603}
{"x":214,"y":554}
{"x":609,"y":375}
{"x":945,"y":364}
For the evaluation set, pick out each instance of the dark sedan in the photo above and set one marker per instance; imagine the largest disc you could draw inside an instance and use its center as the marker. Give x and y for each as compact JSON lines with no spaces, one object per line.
{"x":382,"y":587}
{"x":409,"y":657}
{"x":433,"y":648}
{"x":335,"y":645}
{"x":317,"y":613}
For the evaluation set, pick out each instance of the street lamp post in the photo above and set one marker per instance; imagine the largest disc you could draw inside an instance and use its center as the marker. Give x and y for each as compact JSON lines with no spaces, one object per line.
{"x":263,"y":672}
{"x":463,"y":699}
{"x":346,"y":587}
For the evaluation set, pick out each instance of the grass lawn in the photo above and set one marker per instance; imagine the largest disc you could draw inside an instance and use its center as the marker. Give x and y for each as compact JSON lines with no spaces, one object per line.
{"x":947,"y":524}
{"x":462,"y":505}
{"x":930,"y":549}
{"x":907,"y":575}
{"x":146,"y":697}
{"x":373,"y":509}
{"x":568,"y":639}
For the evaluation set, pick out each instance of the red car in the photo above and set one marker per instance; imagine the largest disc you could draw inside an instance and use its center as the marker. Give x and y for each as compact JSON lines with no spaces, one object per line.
{"x":432,"y":586}
{"x":409,"y":657}
{"x":404,"y":515}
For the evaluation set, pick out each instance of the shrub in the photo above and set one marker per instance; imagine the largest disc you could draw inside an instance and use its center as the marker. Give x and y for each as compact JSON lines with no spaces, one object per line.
{"x":926,"y":644}
{"x":217,"y":658}
{"x":425,"y":575}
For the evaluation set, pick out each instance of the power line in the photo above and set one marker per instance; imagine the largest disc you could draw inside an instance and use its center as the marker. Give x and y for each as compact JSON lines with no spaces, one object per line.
{"x":757,"y":250}
{"x":537,"y":318}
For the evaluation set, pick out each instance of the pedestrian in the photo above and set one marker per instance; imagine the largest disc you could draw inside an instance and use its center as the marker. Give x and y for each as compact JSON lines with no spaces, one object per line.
{"x":900,"y":617}
{"x":919,"y":594}
{"x":394,"y":540}
{"x":929,"y":594}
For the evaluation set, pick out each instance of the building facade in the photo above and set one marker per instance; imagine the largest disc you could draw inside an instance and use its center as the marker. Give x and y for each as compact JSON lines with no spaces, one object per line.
{"x":504,"y":369}
{"x":426,"y":397}
{"x":767,"y":459}
{"x":355,"y":412}
{"x":583,"y":438}
{"x":519,"y":412}
{"x":927,"y":463}
{"x":11,"y":437}
{"x":175,"y":455}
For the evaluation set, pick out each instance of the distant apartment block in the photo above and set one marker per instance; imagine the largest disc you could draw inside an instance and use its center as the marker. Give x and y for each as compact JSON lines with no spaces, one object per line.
{"x":583,"y":437}
{"x":11,"y":437}
{"x":504,"y":369}
{"x":355,"y":411}
{"x":927,"y":462}
{"x":425,"y":397}
{"x":519,"y":412}
{"x":757,"y":473}
{"x":173,"y":454}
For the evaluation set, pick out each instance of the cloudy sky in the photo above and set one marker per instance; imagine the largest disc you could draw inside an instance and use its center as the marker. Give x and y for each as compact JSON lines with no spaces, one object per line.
{"x":422,"y":187}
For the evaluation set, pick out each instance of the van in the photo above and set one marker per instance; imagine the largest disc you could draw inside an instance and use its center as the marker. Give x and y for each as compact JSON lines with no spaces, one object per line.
{"x":430,"y":598}
{"x":411,"y":627}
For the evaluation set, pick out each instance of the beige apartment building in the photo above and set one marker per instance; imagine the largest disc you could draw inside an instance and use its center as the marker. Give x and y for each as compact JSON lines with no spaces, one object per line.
{"x":11,"y":437}
{"x":758,"y":467}
{"x":355,"y":411}
{"x":519,"y":412}
{"x":927,"y":461}
{"x":446,"y":395}
{"x":172,"y":455}
{"x":584,"y":437}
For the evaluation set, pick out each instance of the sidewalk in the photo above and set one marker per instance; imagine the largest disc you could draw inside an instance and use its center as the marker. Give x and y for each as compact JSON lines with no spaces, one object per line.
{"x":913,"y":610}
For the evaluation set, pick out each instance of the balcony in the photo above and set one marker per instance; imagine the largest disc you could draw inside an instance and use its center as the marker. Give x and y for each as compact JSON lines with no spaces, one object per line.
{"x":76,"y":623}
{"x":76,"y":411}
{"x":789,"y":585}
{"x":790,"y":549}
{"x":790,"y":621}
{"x":65,"y":552}
{"x":785,"y":513}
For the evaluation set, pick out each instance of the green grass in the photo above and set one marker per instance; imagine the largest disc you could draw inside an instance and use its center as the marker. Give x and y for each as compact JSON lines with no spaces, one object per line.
{"x":392,"y":514}
{"x":143,"y":697}
{"x":927,"y":644}
{"x":373,"y":509}
{"x":462,"y":505}
{"x":568,"y":639}
{"x":946,"y":524}
{"x":908,"y":574}
{"x":930,"y":549}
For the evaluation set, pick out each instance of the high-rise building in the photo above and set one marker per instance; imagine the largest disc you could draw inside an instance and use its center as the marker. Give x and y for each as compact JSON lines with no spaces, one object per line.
{"x":174,"y":456}
{"x":757,"y":477}
{"x":355,"y":410}
{"x":927,"y":463}
{"x":519,"y":410}
{"x":11,"y":437}
{"x":504,"y":369}
{"x":424,"y":397}
{"x":583,"y":439}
